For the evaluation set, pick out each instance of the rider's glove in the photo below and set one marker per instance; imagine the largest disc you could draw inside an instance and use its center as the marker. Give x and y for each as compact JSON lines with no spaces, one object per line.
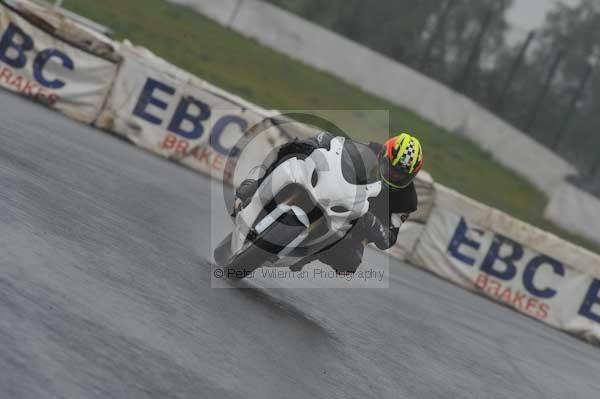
{"x":246,"y":189}
{"x":376,"y":232}
{"x":243,"y":195}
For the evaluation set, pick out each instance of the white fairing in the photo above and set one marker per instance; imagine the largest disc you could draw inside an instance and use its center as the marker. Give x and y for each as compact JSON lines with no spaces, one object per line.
{"x":340,"y":201}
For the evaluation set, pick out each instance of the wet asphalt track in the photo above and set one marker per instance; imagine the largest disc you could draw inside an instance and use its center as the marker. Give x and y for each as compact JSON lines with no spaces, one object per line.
{"x":104,"y":293}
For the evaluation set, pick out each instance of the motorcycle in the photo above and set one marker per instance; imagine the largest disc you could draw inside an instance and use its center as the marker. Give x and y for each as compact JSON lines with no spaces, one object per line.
{"x":302,"y":207}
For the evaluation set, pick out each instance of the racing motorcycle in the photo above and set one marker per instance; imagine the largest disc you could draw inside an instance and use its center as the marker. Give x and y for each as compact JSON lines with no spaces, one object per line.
{"x":302,"y":207}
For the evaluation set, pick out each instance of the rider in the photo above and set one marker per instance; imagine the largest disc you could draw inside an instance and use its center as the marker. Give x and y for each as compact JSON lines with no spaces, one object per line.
{"x":400,"y":159}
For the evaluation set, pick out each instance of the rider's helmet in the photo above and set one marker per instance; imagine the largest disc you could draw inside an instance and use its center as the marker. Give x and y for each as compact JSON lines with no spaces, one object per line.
{"x":400,"y":159}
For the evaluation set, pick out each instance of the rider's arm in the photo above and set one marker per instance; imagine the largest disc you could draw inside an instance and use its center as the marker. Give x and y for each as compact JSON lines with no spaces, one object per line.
{"x":382,"y":228}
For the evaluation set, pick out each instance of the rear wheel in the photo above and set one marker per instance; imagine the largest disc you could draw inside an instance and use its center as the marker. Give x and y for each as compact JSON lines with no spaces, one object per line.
{"x":264,"y":248}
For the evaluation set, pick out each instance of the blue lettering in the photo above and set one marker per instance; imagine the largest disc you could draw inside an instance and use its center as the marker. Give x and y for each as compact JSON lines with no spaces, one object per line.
{"x":8,"y":41}
{"x":494,"y":254}
{"x":460,"y":238}
{"x":591,"y":298}
{"x":40,"y":63}
{"x":532,"y":268}
{"x":219,"y":128}
{"x":182,"y":114}
{"x":147,"y":98}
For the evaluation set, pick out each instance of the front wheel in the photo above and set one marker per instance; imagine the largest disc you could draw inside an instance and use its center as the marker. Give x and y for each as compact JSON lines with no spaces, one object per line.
{"x":266,"y":247}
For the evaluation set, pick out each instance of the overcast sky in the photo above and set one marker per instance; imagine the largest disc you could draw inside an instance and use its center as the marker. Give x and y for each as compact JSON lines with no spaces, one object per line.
{"x":529,"y":14}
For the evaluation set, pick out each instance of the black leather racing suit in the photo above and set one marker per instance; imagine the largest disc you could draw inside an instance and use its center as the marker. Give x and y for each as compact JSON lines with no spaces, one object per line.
{"x":374,"y":227}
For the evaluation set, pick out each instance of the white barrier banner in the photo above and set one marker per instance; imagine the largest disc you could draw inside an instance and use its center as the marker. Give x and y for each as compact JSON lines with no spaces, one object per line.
{"x":38,"y":65}
{"x":494,"y":265}
{"x":171,"y":113}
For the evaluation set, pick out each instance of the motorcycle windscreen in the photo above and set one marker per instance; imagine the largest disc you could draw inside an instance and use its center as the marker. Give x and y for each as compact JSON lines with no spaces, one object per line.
{"x":359,"y":163}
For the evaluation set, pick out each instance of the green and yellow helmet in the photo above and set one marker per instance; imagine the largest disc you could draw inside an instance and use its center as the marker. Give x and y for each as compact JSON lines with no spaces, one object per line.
{"x":400,"y":160}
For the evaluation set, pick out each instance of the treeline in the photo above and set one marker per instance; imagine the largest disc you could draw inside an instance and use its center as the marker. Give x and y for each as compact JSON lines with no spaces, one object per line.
{"x":542,"y":82}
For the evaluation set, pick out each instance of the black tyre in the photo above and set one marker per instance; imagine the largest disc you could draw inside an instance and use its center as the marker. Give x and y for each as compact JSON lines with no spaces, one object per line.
{"x":265,"y":247}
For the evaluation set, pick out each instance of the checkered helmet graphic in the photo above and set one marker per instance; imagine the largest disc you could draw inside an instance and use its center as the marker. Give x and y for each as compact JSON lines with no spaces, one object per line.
{"x":400,"y":160}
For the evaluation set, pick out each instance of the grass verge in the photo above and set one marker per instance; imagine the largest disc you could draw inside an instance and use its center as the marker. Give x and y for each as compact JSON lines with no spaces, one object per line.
{"x":261,"y":75}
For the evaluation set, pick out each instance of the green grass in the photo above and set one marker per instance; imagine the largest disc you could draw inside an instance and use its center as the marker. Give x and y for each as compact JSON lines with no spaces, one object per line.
{"x":275,"y":81}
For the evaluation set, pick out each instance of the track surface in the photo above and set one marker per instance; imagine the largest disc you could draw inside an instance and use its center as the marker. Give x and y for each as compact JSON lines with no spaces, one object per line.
{"x":104,"y":292}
